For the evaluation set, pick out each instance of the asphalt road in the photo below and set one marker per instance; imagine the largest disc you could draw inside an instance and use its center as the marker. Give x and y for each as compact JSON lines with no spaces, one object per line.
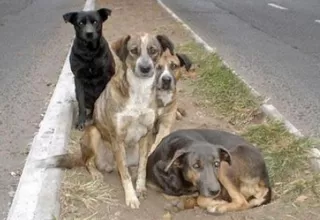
{"x":34,"y":42}
{"x":273,"y":45}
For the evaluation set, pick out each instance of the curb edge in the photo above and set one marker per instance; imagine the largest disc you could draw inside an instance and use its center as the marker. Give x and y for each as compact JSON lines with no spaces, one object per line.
{"x":37,"y":194}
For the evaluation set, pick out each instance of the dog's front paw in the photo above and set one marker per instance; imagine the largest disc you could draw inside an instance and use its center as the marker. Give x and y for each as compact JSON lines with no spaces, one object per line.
{"x":80,"y":125}
{"x":217,"y":209}
{"x":132,"y":202}
{"x":174,"y":206}
{"x":142,"y":193}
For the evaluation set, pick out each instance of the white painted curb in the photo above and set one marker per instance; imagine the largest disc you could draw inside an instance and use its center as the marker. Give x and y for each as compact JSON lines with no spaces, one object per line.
{"x":268,"y":109}
{"x":37,"y":195}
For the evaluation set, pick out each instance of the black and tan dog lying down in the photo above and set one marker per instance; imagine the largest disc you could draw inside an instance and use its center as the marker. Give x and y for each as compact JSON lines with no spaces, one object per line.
{"x":226,"y":172}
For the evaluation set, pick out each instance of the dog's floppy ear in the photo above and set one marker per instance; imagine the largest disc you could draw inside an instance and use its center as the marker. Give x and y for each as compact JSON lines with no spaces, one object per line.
{"x":104,"y":13}
{"x":165,"y":43}
{"x":224,"y":155}
{"x":70,"y":17}
{"x":184,"y":60}
{"x":120,"y":47}
{"x":177,"y":154}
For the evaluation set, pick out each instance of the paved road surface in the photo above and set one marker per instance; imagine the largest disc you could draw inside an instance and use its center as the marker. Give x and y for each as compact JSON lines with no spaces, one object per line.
{"x":34,"y":42}
{"x":273,"y":45}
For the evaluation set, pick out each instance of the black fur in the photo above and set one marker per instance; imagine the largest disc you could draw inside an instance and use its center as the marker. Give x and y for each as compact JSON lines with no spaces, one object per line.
{"x":173,"y":181}
{"x":165,"y":43}
{"x":184,"y":60}
{"x":91,"y":60}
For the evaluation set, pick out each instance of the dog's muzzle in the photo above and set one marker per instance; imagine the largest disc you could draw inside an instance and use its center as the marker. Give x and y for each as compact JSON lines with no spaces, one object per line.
{"x":144,"y":68}
{"x":166,"y":81}
{"x":89,"y":32}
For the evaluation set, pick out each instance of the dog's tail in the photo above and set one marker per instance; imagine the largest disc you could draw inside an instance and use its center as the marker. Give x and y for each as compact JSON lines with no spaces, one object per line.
{"x":67,"y":161}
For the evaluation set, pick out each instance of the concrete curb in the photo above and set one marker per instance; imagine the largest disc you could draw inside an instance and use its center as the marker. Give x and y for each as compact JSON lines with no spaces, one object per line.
{"x":37,"y":195}
{"x":267,"y":109}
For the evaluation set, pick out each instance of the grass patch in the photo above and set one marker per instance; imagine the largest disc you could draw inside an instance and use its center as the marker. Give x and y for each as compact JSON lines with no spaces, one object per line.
{"x":286,"y":155}
{"x":229,"y":96}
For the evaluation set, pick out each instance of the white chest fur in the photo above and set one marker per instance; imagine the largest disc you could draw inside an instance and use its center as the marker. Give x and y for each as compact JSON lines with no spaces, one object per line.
{"x":164,"y":96}
{"x":137,"y":117}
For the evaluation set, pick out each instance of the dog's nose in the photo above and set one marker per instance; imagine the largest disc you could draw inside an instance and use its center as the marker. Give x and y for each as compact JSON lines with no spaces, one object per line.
{"x":166,"y":79}
{"x":214,"y":192}
{"x":89,"y":34}
{"x":145,"y":69}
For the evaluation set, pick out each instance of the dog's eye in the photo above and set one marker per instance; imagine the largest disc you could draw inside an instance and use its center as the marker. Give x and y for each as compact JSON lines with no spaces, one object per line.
{"x":134,"y":51}
{"x":94,"y":22}
{"x":80,"y":23}
{"x":159,"y":68}
{"x":196,"y":166}
{"x":152,"y":50}
{"x":173,"y":66}
{"x":216,"y":163}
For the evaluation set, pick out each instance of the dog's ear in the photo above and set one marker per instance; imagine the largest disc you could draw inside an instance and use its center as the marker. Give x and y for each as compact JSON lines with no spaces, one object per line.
{"x":184,"y":61}
{"x":120,"y":47}
{"x":104,"y":13}
{"x":70,"y":17}
{"x":224,"y":155}
{"x":165,"y":43}
{"x":177,"y":154}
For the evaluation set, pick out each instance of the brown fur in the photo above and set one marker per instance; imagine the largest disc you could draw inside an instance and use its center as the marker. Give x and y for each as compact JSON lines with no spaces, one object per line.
{"x":240,"y":178}
{"x":177,"y":64}
{"x":124,"y":114}
{"x":112,"y":121}
{"x":237,"y":193}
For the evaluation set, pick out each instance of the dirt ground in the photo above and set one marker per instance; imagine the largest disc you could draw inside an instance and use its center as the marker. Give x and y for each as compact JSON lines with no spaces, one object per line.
{"x":127,"y":17}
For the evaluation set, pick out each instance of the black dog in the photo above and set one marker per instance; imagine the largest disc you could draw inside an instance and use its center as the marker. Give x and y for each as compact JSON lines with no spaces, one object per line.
{"x":229,"y":173}
{"x":91,"y":60}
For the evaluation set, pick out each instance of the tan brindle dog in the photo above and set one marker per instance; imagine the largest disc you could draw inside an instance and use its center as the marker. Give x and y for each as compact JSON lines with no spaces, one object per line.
{"x":126,"y":111}
{"x":168,"y":72}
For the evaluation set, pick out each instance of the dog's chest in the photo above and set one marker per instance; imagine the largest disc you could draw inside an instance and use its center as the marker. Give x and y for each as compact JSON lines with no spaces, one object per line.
{"x":138,"y":116}
{"x":165,"y":98}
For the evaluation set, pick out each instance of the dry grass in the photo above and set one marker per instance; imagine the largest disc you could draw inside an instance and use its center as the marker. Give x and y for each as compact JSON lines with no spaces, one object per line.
{"x":81,"y":195}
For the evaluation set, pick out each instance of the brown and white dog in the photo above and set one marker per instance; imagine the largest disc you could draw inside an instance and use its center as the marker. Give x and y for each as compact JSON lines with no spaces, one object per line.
{"x":124,"y":114}
{"x":168,"y":72}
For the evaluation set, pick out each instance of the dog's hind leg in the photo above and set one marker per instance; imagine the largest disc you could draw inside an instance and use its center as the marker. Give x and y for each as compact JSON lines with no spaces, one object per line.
{"x":262,"y":197}
{"x":104,"y":158}
{"x":89,"y":143}
{"x":81,"y":104}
